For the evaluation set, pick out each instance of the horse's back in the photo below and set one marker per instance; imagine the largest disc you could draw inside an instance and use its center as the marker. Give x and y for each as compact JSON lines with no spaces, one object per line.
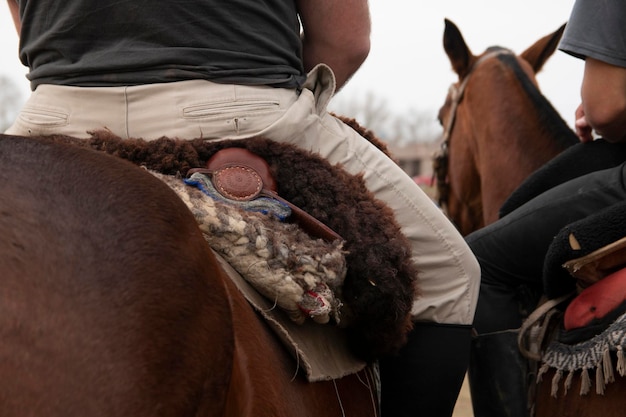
{"x":108,"y":301}
{"x":571,"y":403}
{"x":111,"y":303}
{"x":268,"y":382}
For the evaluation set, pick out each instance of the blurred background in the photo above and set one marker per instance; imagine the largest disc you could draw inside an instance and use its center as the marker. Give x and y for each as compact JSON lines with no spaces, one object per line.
{"x":399,"y":89}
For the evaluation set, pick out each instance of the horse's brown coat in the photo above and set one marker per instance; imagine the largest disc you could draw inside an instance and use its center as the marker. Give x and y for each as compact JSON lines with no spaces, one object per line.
{"x":572,"y":404}
{"x":504,"y":128}
{"x":101,"y":312}
{"x":111,"y":302}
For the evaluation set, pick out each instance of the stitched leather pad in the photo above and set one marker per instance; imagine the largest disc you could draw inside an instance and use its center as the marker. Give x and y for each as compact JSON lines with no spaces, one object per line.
{"x":238,"y":182}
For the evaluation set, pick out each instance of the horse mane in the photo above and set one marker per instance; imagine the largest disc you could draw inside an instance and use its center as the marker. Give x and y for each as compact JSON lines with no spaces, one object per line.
{"x":380,"y":284}
{"x":549,"y":119}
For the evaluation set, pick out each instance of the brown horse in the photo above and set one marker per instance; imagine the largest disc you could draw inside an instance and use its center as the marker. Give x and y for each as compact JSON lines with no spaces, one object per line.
{"x":498,"y":128}
{"x":112,"y":303}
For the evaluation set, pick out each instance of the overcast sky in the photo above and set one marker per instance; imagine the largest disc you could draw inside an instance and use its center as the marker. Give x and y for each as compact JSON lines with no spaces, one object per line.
{"x":407,"y":66}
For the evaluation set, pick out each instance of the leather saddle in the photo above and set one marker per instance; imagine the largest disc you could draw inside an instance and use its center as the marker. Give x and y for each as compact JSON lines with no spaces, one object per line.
{"x":240,"y":175}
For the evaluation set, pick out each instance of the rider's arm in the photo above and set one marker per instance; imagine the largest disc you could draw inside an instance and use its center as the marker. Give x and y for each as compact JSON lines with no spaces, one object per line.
{"x":604,"y":99}
{"x":15,"y":14}
{"x":336,"y":33}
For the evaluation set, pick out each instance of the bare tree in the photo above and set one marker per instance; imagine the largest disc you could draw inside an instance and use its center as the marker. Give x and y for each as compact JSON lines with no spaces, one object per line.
{"x":10,"y":102}
{"x":415,"y":126}
{"x":370,"y":111}
{"x":396,"y":128}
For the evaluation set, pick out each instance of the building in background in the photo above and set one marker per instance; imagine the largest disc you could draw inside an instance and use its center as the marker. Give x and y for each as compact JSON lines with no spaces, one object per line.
{"x":416,"y":159}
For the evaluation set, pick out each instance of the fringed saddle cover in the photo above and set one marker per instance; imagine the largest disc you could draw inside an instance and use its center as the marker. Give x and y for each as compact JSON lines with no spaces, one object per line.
{"x":592,"y":355}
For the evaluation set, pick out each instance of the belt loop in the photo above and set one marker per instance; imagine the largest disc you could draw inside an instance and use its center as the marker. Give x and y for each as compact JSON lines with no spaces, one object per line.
{"x":321,"y":81}
{"x":126,"y":129}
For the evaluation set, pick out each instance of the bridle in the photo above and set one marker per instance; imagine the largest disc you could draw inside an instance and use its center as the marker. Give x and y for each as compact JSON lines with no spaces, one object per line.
{"x":440,"y":160}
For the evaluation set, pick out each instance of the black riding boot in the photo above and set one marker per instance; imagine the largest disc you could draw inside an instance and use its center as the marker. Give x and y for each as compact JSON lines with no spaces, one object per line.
{"x":425,"y":378}
{"x":498,"y":376}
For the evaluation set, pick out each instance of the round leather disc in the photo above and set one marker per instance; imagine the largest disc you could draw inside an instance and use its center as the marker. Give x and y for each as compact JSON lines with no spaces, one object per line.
{"x":238,"y":182}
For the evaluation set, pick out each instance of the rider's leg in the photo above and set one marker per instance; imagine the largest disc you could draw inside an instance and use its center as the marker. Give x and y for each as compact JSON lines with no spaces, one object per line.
{"x":425,"y":378}
{"x":511,"y":254}
{"x":499,"y":376}
{"x":428,"y":373}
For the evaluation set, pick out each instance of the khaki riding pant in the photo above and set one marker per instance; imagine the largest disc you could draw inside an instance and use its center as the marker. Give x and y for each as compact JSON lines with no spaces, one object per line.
{"x":449,"y":274}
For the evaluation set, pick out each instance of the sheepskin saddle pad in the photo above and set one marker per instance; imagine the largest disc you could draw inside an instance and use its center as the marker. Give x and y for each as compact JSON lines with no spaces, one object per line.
{"x":585,"y":251}
{"x":287,"y":275}
{"x":586,"y":267}
{"x":356,"y":272}
{"x":300,"y":274}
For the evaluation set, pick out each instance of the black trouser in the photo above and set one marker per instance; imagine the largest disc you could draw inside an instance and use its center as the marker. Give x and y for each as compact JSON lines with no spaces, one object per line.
{"x":511,"y":254}
{"x":425,"y":378}
{"x":511,"y":251}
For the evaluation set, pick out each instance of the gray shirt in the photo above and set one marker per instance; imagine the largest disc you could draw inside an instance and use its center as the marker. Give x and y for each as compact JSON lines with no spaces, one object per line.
{"x":597,"y":29}
{"x":130,"y":42}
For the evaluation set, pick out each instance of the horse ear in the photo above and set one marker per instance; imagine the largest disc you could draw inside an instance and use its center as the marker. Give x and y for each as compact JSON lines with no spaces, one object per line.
{"x":540,"y":51}
{"x":456,"y":49}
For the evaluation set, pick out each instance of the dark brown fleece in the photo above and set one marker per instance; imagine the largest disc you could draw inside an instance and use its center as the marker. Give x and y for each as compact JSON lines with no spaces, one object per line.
{"x":381,"y":281}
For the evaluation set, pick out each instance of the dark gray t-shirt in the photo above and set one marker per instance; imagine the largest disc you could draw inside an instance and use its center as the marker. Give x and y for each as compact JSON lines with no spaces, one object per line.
{"x":130,"y":42}
{"x":597,"y":29}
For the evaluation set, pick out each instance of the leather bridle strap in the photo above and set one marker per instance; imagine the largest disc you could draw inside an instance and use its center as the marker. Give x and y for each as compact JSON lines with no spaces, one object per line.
{"x":456,"y":94}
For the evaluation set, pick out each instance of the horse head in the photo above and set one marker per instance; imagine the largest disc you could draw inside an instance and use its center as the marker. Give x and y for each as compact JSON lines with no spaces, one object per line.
{"x":498,"y":127}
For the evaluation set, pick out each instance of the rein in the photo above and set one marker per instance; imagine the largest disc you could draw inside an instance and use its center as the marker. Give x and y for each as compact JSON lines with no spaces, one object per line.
{"x":440,"y":161}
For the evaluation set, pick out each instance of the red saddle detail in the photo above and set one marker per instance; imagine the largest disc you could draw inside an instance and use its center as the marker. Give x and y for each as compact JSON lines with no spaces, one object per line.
{"x":596,"y":301}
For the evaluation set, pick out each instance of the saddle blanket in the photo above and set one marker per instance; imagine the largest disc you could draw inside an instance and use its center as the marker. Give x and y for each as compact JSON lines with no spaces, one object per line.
{"x":586,"y":356}
{"x":300,"y":275}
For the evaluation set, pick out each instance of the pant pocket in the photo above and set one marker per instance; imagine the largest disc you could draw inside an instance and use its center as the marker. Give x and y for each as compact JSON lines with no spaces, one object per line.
{"x":229,"y":110}
{"x":232,"y":118}
{"x":36,"y":120}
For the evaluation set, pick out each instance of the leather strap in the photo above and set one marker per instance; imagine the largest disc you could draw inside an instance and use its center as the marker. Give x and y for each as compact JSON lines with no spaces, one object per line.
{"x":241,"y":175}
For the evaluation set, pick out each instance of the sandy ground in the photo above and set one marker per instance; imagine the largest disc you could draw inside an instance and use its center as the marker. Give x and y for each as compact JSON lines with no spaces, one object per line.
{"x":463,"y":406}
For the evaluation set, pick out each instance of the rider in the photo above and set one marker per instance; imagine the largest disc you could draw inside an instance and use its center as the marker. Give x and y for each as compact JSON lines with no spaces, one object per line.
{"x":511,"y":251}
{"x":237,"y":69}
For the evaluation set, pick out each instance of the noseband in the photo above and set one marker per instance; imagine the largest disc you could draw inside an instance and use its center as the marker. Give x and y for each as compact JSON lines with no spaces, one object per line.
{"x":440,"y":161}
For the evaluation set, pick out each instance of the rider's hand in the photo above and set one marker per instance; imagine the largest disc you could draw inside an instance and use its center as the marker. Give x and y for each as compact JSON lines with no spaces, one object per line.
{"x":582,"y":128}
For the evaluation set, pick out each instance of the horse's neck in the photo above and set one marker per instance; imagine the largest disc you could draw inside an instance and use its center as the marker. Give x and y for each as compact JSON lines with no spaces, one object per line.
{"x":510,"y":142}
{"x":522,"y":128}
{"x":526,"y":122}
